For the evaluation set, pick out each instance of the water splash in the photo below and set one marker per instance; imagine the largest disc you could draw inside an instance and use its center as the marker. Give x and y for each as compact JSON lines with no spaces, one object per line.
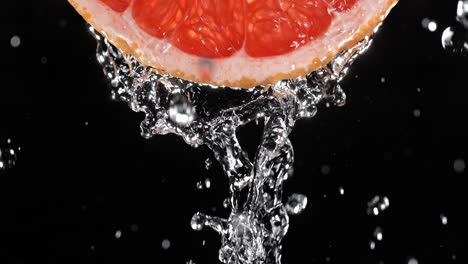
{"x":205,"y":115}
{"x":8,"y":156}
{"x":455,"y":38}
{"x":377,"y":205}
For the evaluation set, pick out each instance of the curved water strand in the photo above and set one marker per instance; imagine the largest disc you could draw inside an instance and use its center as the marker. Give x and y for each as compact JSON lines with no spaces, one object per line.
{"x":205,"y":115}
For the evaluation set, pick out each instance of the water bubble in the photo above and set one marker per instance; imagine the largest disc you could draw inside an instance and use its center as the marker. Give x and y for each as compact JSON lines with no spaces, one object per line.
{"x":296,"y":203}
{"x":208,"y":164}
{"x":455,"y":40}
{"x":412,"y":260}
{"x":118,"y":234}
{"x":382,"y":80}
{"x":166,"y":244}
{"x":377,"y":205}
{"x":15,"y":41}
{"x":459,"y":166}
{"x":378,"y":233}
{"x":417,"y":113}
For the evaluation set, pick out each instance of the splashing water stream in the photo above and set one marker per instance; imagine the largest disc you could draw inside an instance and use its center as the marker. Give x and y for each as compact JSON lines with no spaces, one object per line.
{"x":203,"y":114}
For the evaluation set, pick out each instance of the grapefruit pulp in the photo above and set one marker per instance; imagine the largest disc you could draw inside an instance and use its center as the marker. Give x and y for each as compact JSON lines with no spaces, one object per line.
{"x":245,"y":43}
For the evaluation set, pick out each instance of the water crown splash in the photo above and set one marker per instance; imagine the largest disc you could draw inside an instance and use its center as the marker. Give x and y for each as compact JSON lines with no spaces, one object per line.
{"x":206,"y":115}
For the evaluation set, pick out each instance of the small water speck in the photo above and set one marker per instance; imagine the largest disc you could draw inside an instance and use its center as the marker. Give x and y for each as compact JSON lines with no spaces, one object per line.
{"x":62,"y":23}
{"x":372,"y":245}
{"x":86,"y":123}
{"x":377,"y":205}
{"x":118,"y":234}
{"x":417,"y":113}
{"x":459,"y":166}
{"x":190,"y":262}
{"x":44,"y":60}
{"x":134,"y":228}
{"x":166,"y":244}
{"x":382,"y":79}
{"x":378,"y":233}
{"x":418,"y":90}
{"x":199,"y":185}
{"x":341,"y":190}
{"x":15,"y":41}
{"x":92,"y":247}
{"x":429,"y":24}
{"x":296,"y":203}
{"x":203,"y":242}
{"x":207,"y":183}
{"x":325,"y":169}
{"x":443,"y":219}
{"x":412,"y":261}
{"x":208,"y":163}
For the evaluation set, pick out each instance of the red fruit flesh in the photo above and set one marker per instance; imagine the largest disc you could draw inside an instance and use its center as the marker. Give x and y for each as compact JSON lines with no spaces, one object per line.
{"x":218,"y":29}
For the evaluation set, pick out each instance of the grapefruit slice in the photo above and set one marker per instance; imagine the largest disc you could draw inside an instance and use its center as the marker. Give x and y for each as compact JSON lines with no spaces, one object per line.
{"x":237,"y":43}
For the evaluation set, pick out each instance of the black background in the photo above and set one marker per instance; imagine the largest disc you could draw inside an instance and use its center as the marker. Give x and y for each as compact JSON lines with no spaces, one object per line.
{"x":85,"y":172}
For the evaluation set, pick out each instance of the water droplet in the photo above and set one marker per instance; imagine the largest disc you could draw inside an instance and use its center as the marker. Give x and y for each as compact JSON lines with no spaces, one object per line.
{"x":296,"y":203}
{"x":378,"y":233}
{"x":134,"y":228}
{"x":190,"y":262}
{"x":92,"y":247}
{"x":412,"y":260}
{"x":197,"y":222}
{"x":417,"y":113}
{"x":341,"y":190}
{"x":44,"y":60}
{"x":199,"y":185}
{"x":15,"y":41}
{"x":462,"y":12}
{"x":418,"y":90}
{"x":459,"y":166}
{"x":86,"y":123}
{"x":166,"y":244}
{"x":8,"y":156}
{"x":118,"y":234}
{"x":181,"y":111}
{"x":208,"y":164}
{"x":382,"y":80}
{"x":429,"y":24}
{"x":372,"y":245}
{"x":443,"y":219}
{"x":226,"y":203}
{"x":325,"y":169}
{"x":62,"y":23}
{"x":377,"y":205}
{"x":455,"y":40}
{"x":207,"y":183}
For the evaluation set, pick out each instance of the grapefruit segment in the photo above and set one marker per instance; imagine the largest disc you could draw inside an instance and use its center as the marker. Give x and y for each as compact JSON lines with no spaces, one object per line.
{"x":239,"y":43}
{"x":278,"y":27}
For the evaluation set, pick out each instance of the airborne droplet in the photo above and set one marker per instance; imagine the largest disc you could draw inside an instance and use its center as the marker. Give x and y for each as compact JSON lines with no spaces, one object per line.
{"x":296,"y":203}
